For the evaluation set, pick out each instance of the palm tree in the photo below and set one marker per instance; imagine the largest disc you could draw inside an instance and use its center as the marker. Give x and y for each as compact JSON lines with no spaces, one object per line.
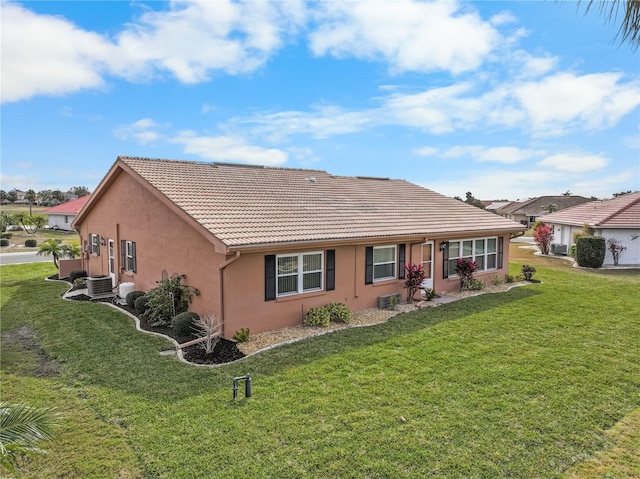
{"x":21,"y":428}
{"x":71,"y":250}
{"x":630,"y":27}
{"x":52,"y":247}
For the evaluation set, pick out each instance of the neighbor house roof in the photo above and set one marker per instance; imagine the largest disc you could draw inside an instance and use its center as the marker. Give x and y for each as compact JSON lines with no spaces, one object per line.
{"x":252,"y":205}
{"x":68,"y":208}
{"x":540,"y":205}
{"x":619,"y":212}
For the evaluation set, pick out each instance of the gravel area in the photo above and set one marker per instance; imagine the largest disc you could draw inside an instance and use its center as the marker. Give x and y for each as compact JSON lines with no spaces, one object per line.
{"x":367,"y":317}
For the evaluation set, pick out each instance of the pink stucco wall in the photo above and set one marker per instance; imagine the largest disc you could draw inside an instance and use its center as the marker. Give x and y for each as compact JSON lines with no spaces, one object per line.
{"x":165,"y":240}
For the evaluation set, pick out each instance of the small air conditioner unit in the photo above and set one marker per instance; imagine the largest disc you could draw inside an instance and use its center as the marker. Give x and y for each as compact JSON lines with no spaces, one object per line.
{"x":559,"y":249}
{"x":99,"y":286}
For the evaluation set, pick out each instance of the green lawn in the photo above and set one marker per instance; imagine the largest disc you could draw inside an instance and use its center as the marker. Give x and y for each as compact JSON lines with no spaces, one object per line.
{"x":542,"y":381}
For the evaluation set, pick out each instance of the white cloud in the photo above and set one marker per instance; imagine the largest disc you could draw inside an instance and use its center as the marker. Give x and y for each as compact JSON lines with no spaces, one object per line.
{"x":497,"y":154}
{"x":565,"y":100}
{"x":410,"y":36}
{"x":575,"y":162}
{"x":141,"y":131}
{"x":228,"y":149}
{"x":47,"y":55}
{"x":425,"y":151}
{"x":503,"y":18}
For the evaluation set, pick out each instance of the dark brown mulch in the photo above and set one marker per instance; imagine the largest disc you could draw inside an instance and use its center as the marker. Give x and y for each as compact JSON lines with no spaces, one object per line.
{"x":224,"y":352}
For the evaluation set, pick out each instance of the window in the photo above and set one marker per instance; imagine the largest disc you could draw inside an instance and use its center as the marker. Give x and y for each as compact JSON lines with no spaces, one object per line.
{"x":128,"y":255}
{"x":384,"y":262}
{"x":299,"y":273}
{"x":486,"y":252}
{"x":290,"y":274}
{"x":94,"y":241}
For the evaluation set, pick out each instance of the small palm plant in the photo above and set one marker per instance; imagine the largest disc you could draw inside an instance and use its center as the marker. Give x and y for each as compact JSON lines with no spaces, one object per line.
{"x":52,"y":247}
{"x":71,"y":251}
{"x":21,"y":429}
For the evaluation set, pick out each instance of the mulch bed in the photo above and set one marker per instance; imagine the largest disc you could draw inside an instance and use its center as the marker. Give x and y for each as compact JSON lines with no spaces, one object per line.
{"x":225,"y":350}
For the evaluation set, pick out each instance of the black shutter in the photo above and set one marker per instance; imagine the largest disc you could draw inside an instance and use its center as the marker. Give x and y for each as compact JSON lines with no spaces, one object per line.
{"x":330,"y":256}
{"x":270,"y":277}
{"x":401,"y":260}
{"x":445,"y":262}
{"x":134,"y":263}
{"x":368,"y":265}
{"x":123,"y":254}
{"x":500,"y":251}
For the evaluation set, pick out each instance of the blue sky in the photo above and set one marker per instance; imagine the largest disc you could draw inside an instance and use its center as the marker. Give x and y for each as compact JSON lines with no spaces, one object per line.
{"x":507,"y":100}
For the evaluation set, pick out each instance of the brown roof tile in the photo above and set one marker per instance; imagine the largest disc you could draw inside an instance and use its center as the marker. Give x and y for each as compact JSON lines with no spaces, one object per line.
{"x":250,"y":205}
{"x":622,"y":211}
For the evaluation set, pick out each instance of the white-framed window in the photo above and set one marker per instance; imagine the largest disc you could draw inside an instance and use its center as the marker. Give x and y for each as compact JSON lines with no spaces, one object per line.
{"x":484,"y":251}
{"x":384,"y":262}
{"x":299,"y":273}
{"x":94,"y":241}
{"x":128,"y":256}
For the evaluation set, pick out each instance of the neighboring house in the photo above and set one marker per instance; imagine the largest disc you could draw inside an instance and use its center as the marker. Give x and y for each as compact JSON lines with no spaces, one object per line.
{"x":615,"y":218}
{"x":263,"y":245}
{"x":61,"y":216}
{"x":495,"y":205}
{"x":527,"y":212}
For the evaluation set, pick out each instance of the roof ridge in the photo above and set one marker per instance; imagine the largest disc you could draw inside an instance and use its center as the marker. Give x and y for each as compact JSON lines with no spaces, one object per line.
{"x":219,"y":163}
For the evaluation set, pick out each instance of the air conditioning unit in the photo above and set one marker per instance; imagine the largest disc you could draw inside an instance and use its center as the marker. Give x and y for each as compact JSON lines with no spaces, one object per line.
{"x":559,"y":249}
{"x":99,"y":286}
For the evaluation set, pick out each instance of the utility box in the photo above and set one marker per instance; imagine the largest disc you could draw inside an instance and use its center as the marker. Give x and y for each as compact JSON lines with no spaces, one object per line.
{"x":559,"y":249}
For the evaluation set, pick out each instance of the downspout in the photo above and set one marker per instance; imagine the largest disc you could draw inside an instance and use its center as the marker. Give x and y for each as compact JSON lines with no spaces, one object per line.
{"x":221,"y":268}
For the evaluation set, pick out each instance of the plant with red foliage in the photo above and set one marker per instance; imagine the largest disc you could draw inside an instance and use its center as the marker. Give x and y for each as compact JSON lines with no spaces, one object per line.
{"x":413,"y":279}
{"x":543,"y":235}
{"x":616,"y":249}
{"x":465,"y":269}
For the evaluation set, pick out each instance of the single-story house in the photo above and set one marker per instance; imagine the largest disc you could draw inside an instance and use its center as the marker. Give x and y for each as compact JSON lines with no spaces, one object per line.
{"x":527,"y":212}
{"x":265,"y":244}
{"x":617,"y":218}
{"x":62,"y":215}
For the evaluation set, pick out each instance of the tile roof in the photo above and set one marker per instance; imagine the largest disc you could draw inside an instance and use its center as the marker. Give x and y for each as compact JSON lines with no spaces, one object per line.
{"x":250,"y":205}
{"x":538,"y":206}
{"x":68,"y":208}
{"x":619,"y":212}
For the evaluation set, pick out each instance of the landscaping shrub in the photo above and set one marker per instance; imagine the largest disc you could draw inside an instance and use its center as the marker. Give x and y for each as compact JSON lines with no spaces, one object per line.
{"x":473,"y":284}
{"x":509,"y":278}
{"x":572,"y":251}
{"x":414,"y":275}
{"x":141,"y":304}
{"x":317,"y":317}
{"x":4,"y":242}
{"x":6,"y":235}
{"x":209,"y":327}
{"x":168,"y":299}
{"x":528,"y":271}
{"x":183,"y":323}
{"x":77,"y":273}
{"x":242,"y":335}
{"x":616,"y":248}
{"x":429,"y":294}
{"x":464,"y":269}
{"x":339,"y":312}
{"x":131,"y":297}
{"x":497,"y":280}
{"x":80,"y":283}
{"x":590,"y":251}
{"x":543,"y":235}
{"x":31,"y":243}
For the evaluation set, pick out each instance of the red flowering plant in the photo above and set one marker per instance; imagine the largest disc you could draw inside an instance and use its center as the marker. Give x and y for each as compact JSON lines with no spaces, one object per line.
{"x":464,"y":269}
{"x":616,"y":249}
{"x":543,"y":235}
{"x":414,"y":275}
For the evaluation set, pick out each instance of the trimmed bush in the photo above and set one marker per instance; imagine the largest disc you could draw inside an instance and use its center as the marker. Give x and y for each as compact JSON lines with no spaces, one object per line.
{"x":183,"y":323}
{"x":496,"y":280}
{"x":77,"y":273}
{"x":590,"y":251}
{"x":132,"y":296}
{"x":473,"y":284}
{"x":140,"y":304}
{"x":572,"y":251}
{"x":528,"y":271}
{"x":509,"y":278}
{"x":6,"y":235}
{"x":242,"y":335}
{"x":31,"y":243}
{"x":429,"y":294}
{"x":4,"y":242}
{"x":317,"y":317}
{"x":339,"y":312}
